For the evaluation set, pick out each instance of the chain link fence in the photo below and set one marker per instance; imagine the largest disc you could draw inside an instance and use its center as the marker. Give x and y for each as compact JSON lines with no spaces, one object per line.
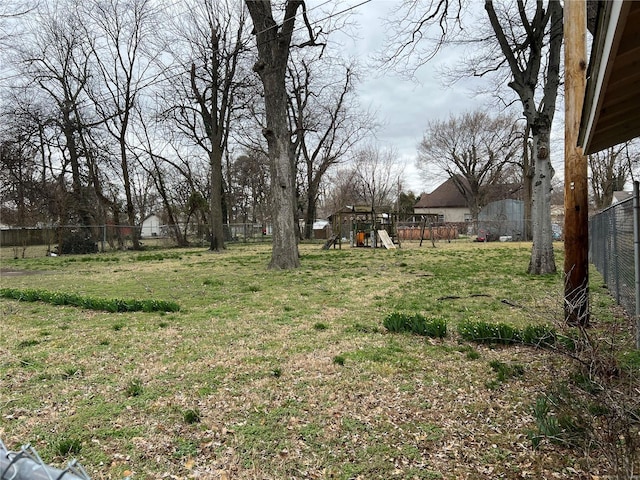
{"x":612,"y":249}
{"x":56,"y":240}
{"x":26,"y":464}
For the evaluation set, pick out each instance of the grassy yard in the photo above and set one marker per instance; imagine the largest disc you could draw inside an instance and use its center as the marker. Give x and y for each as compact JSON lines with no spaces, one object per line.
{"x":285,"y":374}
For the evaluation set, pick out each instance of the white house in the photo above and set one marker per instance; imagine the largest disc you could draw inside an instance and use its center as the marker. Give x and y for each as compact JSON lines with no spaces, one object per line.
{"x":151,"y":226}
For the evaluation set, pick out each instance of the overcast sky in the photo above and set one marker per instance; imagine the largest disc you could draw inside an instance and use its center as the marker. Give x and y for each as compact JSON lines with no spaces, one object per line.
{"x":405,"y":106}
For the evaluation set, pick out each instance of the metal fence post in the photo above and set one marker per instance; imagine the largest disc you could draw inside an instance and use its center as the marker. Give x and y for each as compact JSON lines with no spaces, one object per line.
{"x":616,"y":267}
{"x":636,"y":255}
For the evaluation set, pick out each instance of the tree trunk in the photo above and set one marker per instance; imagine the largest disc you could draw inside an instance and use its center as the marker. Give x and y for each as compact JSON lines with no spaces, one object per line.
{"x":217,"y":224}
{"x":282,"y":170}
{"x":527,"y":196}
{"x":78,"y":191}
{"x":273,"y":53}
{"x":126,"y":178}
{"x":283,"y":203}
{"x":542,"y":256}
{"x":310,"y":215}
{"x":527,"y":185}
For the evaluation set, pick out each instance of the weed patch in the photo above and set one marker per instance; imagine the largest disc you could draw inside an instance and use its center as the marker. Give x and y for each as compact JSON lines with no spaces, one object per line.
{"x":504,"y":371}
{"x":339,"y":360}
{"x":192,"y":415}
{"x":28,"y":343}
{"x":68,"y":446}
{"x":134,"y":388}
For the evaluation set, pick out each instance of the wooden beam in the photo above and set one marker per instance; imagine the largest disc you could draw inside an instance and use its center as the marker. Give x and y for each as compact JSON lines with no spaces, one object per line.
{"x":576,"y":227}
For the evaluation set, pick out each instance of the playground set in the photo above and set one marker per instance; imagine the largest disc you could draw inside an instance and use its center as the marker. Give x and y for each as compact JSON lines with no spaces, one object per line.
{"x":364,"y":227}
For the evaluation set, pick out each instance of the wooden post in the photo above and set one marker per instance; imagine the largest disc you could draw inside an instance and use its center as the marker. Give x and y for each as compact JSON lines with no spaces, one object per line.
{"x":576,"y":223}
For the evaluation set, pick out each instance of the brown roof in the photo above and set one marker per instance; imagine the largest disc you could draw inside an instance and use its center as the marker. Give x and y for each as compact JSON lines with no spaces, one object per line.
{"x":447,"y":195}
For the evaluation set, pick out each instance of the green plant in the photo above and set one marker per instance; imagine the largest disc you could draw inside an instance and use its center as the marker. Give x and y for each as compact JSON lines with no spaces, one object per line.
{"x":134,"y":388}
{"x":78,"y":243}
{"x":560,"y":419}
{"x":320,"y":326}
{"x":486,"y":332}
{"x":108,"y":305}
{"x":68,"y":446}
{"x":505,"y":371}
{"x":472,"y":354}
{"x":538,"y":335}
{"x":339,"y":359}
{"x":417,"y":324}
{"x":362,"y":328}
{"x":192,"y":415}
{"x":630,"y":361}
{"x":185,"y":449}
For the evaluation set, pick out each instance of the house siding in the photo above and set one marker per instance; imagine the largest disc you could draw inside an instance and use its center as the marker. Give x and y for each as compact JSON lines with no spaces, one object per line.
{"x":451,"y":215}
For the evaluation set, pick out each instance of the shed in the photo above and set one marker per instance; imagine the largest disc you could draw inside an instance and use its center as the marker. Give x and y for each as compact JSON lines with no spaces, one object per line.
{"x":151,"y":226}
{"x":321,"y":229}
{"x":503,"y":218}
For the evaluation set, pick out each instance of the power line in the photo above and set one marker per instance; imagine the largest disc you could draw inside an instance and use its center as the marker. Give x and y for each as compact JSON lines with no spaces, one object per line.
{"x":163,"y":78}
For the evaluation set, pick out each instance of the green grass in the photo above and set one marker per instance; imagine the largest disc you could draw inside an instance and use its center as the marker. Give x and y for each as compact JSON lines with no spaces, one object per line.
{"x":283,"y":374}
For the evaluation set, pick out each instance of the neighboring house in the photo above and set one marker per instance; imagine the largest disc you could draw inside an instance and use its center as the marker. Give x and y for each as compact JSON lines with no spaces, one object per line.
{"x":151,"y":226}
{"x":621,"y":196}
{"x":450,"y":205}
{"x":446,"y":202}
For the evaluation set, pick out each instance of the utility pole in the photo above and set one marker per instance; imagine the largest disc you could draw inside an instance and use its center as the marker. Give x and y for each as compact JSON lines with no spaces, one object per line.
{"x":576,"y":222}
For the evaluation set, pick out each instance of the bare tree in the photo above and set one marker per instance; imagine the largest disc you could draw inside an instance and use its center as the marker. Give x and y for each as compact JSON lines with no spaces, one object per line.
{"x":172,"y":178}
{"x":213,"y":44}
{"x":249,"y":181}
{"x":327,"y":124}
{"x":474,"y":151}
{"x":529,"y":39}
{"x":56,"y":61}
{"x":340,"y":190}
{"x":610,"y":170}
{"x":119,"y":31}
{"x":525,"y":56}
{"x":10,"y":12}
{"x":19,"y":185}
{"x":377,"y":177}
{"x":274,"y":41}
